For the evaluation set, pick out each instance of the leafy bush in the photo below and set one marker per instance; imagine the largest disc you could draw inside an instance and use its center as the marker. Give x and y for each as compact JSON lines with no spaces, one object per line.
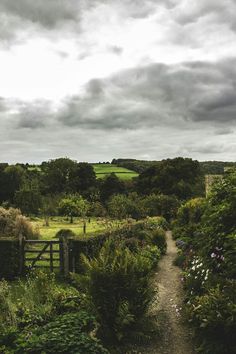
{"x":160,"y":204}
{"x":9,"y":258}
{"x":208,"y":228}
{"x":67,"y":334}
{"x":29,"y":303}
{"x":153,"y":253}
{"x":13,"y":224}
{"x":214,"y":317}
{"x":158,"y":238}
{"x":7,"y":307}
{"x":179,"y":260}
{"x":118,"y":285}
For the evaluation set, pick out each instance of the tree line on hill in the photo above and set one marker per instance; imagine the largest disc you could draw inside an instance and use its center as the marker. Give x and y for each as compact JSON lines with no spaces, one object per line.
{"x":207,"y":167}
{"x":69,"y":187}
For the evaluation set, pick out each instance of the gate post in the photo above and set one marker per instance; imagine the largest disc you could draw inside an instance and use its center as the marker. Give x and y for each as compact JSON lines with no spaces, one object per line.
{"x":64,"y":255}
{"x":22,"y":254}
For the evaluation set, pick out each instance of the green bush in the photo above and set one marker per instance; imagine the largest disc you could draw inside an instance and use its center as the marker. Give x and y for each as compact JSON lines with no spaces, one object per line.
{"x":118,"y":285}
{"x":153,"y":253}
{"x":9,"y":258}
{"x":208,"y":227}
{"x":67,"y":334}
{"x":158,"y":238}
{"x":179,"y":260}
{"x":213,"y":315}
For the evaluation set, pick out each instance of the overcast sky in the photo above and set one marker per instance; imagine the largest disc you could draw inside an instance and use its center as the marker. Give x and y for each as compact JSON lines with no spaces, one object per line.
{"x":100,"y":79}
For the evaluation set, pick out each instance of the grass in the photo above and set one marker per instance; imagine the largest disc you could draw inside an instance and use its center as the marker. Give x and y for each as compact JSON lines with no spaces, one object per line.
{"x":57,"y":223}
{"x":103,"y":170}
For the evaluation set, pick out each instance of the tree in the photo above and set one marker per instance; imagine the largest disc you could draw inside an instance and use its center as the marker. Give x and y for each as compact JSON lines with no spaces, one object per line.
{"x":109,"y":186}
{"x":72,"y":206}
{"x":161,"y":205}
{"x":177,"y":177}
{"x":29,"y":201}
{"x":11,"y":181}
{"x":57,"y":174}
{"x":67,"y":176}
{"x":121,"y":206}
{"x":82,"y":179}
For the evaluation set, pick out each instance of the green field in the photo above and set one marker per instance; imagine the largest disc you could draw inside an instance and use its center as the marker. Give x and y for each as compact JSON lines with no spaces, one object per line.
{"x":103,"y":170}
{"x":57,"y":223}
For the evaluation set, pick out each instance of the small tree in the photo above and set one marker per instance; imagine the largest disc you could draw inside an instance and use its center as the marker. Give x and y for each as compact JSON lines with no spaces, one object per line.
{"x":72,"y":206}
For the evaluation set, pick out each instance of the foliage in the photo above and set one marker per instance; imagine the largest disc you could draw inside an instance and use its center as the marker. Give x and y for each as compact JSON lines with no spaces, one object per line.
{"x":11,"y":179}
{"x":28,"y":201}
{"x":158,"y":238}
{"x":73,"y":205}
{"x":160,"y":205}
{"x":35,"y":312}
{"x":9,"y":258}
{"x":213,"y":315}
{"x":110,"y":186}
{"x":67,"y":333}
{"x":208,"y":230}
{"x":180,"y":177}
{"x":67,"y":176}
{"x":122,"y":207}
{"x":118,"y":285}
{"x":13,"y":224}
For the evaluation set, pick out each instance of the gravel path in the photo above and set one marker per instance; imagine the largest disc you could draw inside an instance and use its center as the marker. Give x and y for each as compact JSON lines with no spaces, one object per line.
{"x":175,"y":336}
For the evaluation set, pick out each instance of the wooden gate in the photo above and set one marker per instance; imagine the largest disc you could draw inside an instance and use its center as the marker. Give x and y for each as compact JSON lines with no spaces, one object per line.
{"x":42,"y":254}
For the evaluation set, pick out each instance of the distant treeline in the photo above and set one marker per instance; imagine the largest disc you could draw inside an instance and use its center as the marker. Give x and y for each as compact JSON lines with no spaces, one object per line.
{"x":50,"y":187}
{"x":207,"y":167}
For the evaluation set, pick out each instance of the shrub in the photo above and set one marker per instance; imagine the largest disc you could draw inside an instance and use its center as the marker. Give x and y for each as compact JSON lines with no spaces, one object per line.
{"x":9,"y":258}
{"x":158,"y":238}
{"x":179,"y":260}
{"x":213,"y":315}
{"x":152,"y":253}
{"x":67,"y":334}
{"x":7,"y":308}
{"x":118,"y":285}
{"x":13,"y":224}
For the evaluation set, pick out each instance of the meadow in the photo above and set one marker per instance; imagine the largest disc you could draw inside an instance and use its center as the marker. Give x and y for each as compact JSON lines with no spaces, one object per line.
{"x":93,"y":226}
{"x":103,"y":170}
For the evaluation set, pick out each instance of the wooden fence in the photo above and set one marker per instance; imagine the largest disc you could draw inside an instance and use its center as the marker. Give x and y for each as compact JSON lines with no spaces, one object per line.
{"x":53,"y":254}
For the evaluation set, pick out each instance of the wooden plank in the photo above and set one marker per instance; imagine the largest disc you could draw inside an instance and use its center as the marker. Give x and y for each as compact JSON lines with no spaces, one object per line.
{"x":37,"y":251}
{"x":51,"y":257}
{"x":41,"y":259}
{"x":40,"y":254}
{"x":42,"y":241}
{"x":43,"y":266}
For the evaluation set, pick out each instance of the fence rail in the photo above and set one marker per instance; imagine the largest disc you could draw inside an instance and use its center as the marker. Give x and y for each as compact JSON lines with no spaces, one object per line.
{"x":50,"y":254}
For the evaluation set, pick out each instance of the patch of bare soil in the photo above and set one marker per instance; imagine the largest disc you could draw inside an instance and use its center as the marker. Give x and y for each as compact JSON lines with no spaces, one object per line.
{"x":175,"y":336}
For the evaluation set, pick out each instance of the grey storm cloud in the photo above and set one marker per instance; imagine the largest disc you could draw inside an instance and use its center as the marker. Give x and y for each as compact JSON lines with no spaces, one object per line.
{"x":218,"y":11}
{"x":47,"y":13}
{"x":19,"y":16}
{"x":32,"y":115}
{"x":154,"y":95}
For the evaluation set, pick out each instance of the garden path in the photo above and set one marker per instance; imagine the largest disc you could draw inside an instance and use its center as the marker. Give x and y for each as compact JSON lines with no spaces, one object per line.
{"x":175,"y":336}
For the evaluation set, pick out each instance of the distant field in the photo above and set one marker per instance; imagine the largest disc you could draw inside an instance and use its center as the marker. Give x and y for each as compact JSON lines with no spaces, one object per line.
{"x":103,"y":170}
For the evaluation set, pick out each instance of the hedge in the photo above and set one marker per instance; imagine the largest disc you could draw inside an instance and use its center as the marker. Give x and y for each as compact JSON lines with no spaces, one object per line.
{"x":88,"y":246}
{"x":9,"y":258}
{"x":92,"y":245}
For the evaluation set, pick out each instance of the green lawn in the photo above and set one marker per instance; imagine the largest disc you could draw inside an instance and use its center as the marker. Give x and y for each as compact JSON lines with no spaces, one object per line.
{"x":103,"y":170}
{"x":58,"y":223}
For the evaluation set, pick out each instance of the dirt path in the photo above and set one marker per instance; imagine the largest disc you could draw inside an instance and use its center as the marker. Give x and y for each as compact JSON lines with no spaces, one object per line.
{"x":175,"y":336}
